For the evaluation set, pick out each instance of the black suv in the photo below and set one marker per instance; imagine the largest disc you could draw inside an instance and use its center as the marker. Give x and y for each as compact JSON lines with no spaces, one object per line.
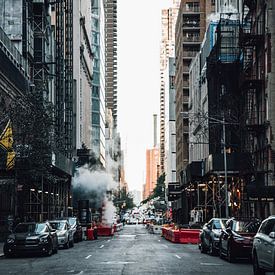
{"x":31,"y":237}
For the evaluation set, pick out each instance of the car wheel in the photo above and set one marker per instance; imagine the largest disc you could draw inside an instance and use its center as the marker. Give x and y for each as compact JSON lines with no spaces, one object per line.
{"x":211,"y":248}
{"x":230,"y":256}
{"x":71,"y":243}
{"x":50,"y":251}
{"x":67,"y":244}
{"x":256,"y":269}
{"x":56,"y":248}
{"x":203,"y":247}
{"x":8,"y":254}
{"x":220,"y":250}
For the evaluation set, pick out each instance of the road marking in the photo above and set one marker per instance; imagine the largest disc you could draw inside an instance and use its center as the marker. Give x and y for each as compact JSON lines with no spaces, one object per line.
{"x":88,"y":257}
{"x":71,"y":271}
{"x":108,"y":241}
{"x":164,"y":245}
{"x":159,"y":240}
{"x":178,"y":256}
{"x":81,"y":272}
{"x":118,"y":262}
{"x":210,"y":264}
{"x":101,"y":246}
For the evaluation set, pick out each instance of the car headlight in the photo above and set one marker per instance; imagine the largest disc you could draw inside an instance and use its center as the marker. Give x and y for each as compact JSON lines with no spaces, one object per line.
{"x":43,"y":240}
{"x":10,"y":240}
{"x":62,"y":234}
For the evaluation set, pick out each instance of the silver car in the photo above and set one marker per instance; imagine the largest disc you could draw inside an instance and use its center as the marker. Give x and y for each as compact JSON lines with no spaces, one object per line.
{"x":263,"y":251}
{"x":64,"y":233}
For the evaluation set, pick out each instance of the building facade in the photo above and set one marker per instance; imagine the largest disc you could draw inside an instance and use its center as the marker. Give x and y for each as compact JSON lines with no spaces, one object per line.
{"x":42,"y":34}
{"x":98,"y":81}
{"x":82,"y":72}
{"x":190,"y":28}
{"x":111,"y":56}
{"x":167,"y":49}
{"x":152,"y":171}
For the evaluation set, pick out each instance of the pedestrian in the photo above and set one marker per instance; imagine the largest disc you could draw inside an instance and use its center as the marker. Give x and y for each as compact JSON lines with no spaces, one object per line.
{"x":94,"y":226}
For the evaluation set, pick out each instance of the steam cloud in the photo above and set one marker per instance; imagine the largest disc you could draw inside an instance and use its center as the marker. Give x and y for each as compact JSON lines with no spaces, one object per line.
{"x":94,"y":185}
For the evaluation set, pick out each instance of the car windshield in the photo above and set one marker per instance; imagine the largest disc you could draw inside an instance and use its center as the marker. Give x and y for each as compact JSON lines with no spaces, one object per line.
{"x":30,"y":228}
{"x":72,"y":221}
{"x":219,"y":224}
{"x":57,"y":225}
{"x":246,"y":226}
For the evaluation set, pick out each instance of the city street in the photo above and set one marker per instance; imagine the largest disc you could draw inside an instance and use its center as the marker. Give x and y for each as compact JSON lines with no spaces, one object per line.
{"x":132,"y":251}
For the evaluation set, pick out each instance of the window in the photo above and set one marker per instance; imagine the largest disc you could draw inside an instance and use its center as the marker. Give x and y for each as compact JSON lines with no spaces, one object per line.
{"x":267,"y":227}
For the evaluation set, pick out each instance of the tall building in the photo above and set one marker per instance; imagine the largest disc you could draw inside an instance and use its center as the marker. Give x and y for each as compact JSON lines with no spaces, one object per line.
{"x":170,"y":167}
{"x":111,"y":56}
{"x":152,"y":171}
{"x":167,"y":49}
{"x":190,"y":29}
{"x":82,"y":72}
{"x":152,"y":165}
{"x":42,"y":33}
{"x":98,"y":81}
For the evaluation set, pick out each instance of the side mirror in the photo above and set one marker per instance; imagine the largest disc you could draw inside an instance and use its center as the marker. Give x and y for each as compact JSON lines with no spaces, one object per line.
{"x":208,"y":226}
{"x":228,"y":230}
{"x":272,"y":235}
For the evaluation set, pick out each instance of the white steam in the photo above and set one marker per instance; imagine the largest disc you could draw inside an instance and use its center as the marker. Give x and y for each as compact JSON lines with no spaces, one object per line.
{"x":91,"y":180}
{"x":109,"y":212}
{"x":99,"y":183}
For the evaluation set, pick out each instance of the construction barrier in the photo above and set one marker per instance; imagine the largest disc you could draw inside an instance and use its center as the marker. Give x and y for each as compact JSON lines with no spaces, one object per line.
{"x":183,"y":236}
{"x":191,"y":236}
{"x":105,"y":230}
{"x":90,"y":234}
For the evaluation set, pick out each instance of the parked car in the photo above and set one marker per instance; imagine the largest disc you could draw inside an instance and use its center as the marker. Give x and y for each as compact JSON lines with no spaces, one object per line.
{"x":76,"y":228}
{"x":64,"y":233}
{"x":31,"y":237}
{"x":236,"y":239}
{"x":263,"y":252}
{"x":210,"y":235}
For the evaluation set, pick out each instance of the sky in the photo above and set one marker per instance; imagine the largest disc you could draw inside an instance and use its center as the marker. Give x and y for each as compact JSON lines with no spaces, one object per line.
{"x":139,"y":35}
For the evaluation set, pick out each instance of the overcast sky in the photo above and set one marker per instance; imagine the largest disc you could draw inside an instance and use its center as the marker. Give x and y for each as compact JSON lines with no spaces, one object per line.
{"x":139,"y":34}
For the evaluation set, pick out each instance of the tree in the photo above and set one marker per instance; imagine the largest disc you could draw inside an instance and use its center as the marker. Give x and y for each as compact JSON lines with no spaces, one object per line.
{"x":123,"y":199}
{"x":159,"y":190}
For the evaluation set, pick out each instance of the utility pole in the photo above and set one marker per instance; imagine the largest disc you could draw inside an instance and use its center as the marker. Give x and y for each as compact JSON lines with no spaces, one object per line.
{"x":225,"y":170}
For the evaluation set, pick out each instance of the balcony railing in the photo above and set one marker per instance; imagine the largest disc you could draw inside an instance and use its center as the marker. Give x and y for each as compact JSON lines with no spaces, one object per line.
{"x":191,"y":39}
{"x":189,"y":53}
{"x":191,"y":9}
{"x":13,"y":52}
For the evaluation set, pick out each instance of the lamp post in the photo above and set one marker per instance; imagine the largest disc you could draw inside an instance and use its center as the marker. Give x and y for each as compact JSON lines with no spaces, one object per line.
{"x":225,"y":170}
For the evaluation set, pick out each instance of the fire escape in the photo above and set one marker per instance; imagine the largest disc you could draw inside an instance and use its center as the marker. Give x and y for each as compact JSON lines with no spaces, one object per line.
{"x":252,"y":42}
{"x":254,"y":137}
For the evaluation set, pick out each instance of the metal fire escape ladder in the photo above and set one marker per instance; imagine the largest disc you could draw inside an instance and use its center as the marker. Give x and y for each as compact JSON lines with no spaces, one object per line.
{"x":252,"y":42}
{"x":69,"y":78}
{"x":60,"y":96}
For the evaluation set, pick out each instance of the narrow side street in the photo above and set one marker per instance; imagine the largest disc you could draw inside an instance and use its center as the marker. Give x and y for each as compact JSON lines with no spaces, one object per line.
{"x":132,"y":251}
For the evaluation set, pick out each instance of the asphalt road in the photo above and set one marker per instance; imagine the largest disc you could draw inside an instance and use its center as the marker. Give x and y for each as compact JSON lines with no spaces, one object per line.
{"x":132,"y":251}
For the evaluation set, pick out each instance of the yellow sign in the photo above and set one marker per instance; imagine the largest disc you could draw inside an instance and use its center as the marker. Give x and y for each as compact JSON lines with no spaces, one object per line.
{"x":6,"y":142}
